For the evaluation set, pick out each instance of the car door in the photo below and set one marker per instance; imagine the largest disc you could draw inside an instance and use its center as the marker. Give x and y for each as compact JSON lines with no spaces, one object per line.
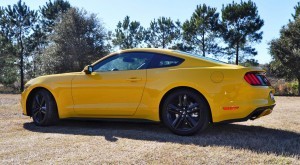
{"x":114,"y":88}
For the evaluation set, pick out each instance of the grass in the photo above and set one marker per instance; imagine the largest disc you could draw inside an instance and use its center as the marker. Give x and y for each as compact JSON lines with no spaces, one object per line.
{"x":274,"y":139}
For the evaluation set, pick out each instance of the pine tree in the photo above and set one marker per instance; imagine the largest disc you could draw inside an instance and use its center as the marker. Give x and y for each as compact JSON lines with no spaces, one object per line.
{"x":202,"y":29}
{"x":21,"y":20}
{"x":162,"y":33}
{"x":297,"y":11}
{"x":129,"y":34}
{"x":8,"y":71}
{"x":241,"y":24}
{"x":51,"y":11}
{"x":50,"y":14}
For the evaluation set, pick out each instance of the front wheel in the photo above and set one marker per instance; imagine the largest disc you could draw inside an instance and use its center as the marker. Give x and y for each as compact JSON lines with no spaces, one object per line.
{"x":185,"y":112}
{"x":43,"y":108}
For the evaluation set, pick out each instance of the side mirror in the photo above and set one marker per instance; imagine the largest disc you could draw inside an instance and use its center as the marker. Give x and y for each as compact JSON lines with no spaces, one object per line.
{"x":88,"y":69}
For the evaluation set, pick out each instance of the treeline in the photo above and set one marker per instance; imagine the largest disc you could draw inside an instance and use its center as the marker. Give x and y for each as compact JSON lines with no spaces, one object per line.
{"x":61,"y":38}
{"x":286,"y":51}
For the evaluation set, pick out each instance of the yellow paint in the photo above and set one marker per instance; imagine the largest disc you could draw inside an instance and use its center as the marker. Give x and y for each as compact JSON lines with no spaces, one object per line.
{"x":138,"y":93}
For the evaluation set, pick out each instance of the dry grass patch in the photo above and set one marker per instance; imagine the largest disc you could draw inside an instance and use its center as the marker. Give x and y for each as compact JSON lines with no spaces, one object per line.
{"x":274,"y":139}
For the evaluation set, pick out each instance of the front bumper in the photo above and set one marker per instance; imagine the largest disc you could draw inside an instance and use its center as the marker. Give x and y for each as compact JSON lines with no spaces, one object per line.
{"x":24,"y":95}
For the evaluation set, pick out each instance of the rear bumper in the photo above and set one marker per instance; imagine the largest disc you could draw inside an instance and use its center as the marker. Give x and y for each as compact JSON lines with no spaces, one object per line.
{"x":257,"y":113}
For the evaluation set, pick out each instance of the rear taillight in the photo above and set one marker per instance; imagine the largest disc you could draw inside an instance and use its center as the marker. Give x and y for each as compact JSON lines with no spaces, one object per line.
{"x":256,"y":79}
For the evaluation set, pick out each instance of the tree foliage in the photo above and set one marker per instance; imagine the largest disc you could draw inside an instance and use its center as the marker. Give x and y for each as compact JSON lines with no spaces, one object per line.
{"x":250,"y":63}
{"x":59,"y":38}
{"x":50,"y":14}
{"x":77,"y":40}
{"x":51,"y":11}
{"x":21,"y":20}
{"x":162,"y":33}
{"x":8,"y":71}
{"x":286,"y":51}
{"x":129,"y":34}
{"x":202,"y":29}
{"x":297,"y":11}
{"x":241,"y":24}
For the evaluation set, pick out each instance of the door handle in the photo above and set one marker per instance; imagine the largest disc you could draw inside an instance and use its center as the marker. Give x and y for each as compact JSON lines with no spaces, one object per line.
{"x":133,"y":79}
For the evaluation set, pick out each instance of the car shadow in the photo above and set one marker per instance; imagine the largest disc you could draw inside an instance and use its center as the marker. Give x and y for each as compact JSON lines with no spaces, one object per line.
{"x":255,"y":138}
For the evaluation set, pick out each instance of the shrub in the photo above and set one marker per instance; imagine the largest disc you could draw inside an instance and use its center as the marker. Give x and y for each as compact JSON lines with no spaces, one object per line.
{"x":284,"y":88}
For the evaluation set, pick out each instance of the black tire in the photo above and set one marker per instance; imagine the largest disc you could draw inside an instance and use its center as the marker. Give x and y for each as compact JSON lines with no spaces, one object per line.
{"x":43,"y":108}
{"x":185,"y":112}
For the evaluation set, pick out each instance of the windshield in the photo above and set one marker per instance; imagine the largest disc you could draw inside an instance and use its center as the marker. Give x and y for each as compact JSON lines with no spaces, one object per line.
{"x":199,"y":56}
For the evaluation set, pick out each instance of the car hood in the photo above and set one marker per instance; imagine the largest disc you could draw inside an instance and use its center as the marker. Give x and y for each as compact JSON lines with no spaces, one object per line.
{"x":52,"y":80}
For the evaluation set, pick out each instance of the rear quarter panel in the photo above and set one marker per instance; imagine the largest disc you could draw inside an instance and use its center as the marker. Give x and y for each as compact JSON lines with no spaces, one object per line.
{"x":161,"y":80}
{"x":222,"y":86}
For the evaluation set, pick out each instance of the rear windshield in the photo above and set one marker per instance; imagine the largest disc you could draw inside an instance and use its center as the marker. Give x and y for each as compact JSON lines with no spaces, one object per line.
{"x":200,"y":57}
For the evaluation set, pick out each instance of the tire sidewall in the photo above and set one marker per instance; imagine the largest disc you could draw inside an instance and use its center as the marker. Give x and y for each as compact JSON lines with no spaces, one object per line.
{"x":51,"y":110}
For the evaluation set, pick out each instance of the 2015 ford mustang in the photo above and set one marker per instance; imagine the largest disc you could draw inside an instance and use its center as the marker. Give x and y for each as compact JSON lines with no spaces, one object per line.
{"x":184,"y":91}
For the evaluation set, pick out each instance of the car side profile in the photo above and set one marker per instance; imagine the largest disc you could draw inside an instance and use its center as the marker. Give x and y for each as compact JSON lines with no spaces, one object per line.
{"x":184,"y":91}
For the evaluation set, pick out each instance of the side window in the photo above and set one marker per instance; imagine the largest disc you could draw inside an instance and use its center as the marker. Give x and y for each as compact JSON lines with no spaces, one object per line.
{"x":125,"y":61}
{"x":161,"y":61}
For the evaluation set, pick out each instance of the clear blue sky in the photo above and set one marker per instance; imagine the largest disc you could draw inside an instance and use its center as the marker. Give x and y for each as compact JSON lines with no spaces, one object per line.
{"x":275,"y":13}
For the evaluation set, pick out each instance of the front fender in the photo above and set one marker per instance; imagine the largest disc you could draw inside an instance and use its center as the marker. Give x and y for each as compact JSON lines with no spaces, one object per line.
{"x":59,"y":86}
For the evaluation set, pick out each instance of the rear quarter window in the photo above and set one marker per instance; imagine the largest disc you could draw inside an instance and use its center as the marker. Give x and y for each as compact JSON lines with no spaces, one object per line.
{"x":161,"y":61}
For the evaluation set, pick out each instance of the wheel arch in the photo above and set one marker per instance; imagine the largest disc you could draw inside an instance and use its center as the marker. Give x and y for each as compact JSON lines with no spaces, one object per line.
{"x":31,"y":94}
{"x":179,"y":88}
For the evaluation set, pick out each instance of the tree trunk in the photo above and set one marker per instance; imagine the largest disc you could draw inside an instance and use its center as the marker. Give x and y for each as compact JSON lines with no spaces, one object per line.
{"x":21,"y":64}
{"x":237,"y":54}
{"x":163,"y":40}
{"x":21,"y":73}
{"x":203,"y":44}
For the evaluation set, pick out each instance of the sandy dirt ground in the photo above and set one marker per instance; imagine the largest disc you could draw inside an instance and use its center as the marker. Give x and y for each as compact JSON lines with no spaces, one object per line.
{"x":274,"y":139}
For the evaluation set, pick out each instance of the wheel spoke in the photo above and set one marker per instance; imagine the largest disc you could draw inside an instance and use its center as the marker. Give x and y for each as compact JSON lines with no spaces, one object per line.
{"x":193,"y":108}
{"x":180,"y":100}
{"x":35,"y":113}
{"x":173,"y":109}
{"x":42,"y":101}
{"x":37,"y":100}
{"x":40,"y":116}
{"x":43,"y":110}
{"x":177,"y":122}
{"x":35,"y":109}
{"x":191,"y":121}
{"x":185,"y":102}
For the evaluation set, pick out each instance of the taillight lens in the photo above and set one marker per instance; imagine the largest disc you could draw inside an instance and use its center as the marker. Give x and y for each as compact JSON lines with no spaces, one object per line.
{"x":256,"y":79}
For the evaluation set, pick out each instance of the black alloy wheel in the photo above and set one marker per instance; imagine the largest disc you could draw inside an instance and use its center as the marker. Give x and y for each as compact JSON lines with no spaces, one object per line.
{"x":43,"y":108}
{"x":185,"y":112}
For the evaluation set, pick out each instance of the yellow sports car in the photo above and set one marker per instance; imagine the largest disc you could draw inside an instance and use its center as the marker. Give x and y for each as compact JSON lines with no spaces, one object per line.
{"x":184,"y":91}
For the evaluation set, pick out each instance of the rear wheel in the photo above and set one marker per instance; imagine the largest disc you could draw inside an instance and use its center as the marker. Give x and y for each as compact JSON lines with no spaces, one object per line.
{"x":43,"y":108}
{"x":185,"y":112}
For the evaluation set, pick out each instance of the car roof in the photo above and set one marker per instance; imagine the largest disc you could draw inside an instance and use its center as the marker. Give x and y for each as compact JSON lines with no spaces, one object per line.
{"x":180,"y":54}
{"x":190,"y":59}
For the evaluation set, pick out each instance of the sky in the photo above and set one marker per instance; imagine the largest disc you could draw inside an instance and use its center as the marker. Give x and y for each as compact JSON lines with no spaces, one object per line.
{"x":275,"y":13}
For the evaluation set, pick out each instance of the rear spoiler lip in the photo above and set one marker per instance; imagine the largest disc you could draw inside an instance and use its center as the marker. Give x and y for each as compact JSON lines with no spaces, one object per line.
{"x":253,"y":69}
